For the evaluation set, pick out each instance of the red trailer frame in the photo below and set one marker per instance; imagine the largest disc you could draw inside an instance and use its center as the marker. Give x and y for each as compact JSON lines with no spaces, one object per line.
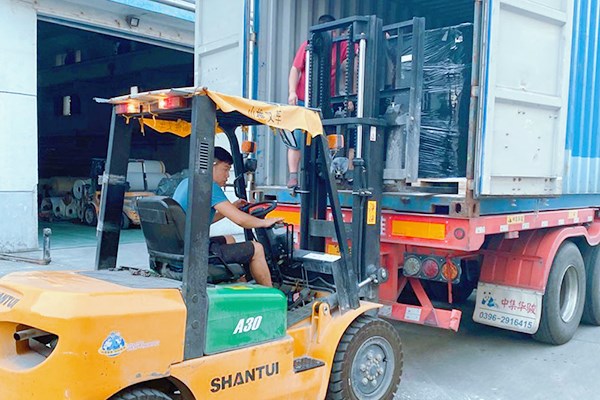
{"x":519,"y":251}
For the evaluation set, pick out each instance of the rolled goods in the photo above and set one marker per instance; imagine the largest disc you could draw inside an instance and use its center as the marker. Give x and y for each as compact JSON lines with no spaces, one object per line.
{"x":71,"y":210}
{"x":79,"y":187}
{"x":136,"y":181}
{"x":148,"y":166}
{"x":61,"y":185}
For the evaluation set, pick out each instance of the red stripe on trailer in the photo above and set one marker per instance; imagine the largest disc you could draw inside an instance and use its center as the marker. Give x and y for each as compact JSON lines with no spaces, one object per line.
{"x":469,"y":234}
{"x":461,"y":233}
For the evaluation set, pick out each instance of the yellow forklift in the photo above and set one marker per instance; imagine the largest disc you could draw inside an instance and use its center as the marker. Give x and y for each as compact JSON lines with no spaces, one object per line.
{"x":126,"y":334}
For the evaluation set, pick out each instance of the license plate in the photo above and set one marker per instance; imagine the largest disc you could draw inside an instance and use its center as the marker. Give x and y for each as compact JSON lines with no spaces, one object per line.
{"x":507,"y":307}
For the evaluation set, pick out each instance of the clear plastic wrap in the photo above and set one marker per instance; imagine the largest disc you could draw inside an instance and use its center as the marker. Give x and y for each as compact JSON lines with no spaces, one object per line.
{"x":445,"y":106}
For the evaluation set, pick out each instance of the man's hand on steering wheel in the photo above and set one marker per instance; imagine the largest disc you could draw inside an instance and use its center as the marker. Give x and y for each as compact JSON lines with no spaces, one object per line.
{"x":269,"y":222}
{"x":240,"y":203}
{"x":260,"y":209}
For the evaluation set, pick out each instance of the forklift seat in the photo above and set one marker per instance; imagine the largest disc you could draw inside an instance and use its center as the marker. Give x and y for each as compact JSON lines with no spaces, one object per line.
{"x":163,"y":224}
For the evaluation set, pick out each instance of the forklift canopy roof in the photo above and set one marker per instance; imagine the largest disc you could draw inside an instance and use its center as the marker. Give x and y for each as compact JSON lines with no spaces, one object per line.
{"x":231,"y":111}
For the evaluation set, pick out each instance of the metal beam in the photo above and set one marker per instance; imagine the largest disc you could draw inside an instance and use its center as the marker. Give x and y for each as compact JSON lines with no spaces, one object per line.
{"x":195,"y":263}
{"x":114,"y":185}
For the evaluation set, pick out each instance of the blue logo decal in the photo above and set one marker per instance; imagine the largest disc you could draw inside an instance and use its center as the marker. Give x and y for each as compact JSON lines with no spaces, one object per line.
{"x":488,"y":300}
{"x":113,"y":345}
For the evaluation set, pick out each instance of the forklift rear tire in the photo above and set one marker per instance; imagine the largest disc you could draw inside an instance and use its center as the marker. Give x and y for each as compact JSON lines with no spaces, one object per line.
{"x":562,"y":304}
{"x":141,"y":394}
{"x":368,"y":362}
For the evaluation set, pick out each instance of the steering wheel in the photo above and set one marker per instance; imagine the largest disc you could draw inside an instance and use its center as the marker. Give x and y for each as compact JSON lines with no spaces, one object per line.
{"x":259,"y":210}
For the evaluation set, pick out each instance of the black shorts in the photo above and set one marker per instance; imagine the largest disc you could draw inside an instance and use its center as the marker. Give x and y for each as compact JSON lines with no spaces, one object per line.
{"x":234,"y":253}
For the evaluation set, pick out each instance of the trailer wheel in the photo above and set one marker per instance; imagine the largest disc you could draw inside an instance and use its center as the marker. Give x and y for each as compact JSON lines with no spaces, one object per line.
{"x":591,"y":309}
{"x":562,"y":304}
{"x":141,"y":394}
{"x":368,"y":362}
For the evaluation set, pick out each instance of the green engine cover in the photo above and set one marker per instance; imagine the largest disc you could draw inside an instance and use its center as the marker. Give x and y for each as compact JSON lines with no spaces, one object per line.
{"x":240,"y":315}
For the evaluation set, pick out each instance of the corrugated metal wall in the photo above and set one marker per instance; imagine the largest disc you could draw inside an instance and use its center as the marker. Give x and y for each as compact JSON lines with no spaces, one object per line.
{"x":284,"y":24}
{"x":582,"y":170}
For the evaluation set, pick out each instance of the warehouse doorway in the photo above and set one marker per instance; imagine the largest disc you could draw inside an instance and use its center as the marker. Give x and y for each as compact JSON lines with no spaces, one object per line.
{"x":74,"y":67}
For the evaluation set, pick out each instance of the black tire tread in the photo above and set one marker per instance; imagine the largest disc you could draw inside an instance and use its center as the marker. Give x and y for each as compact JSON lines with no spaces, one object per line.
{"x":335,"y":390}
{"x":548,"y":332}
{"x":141,"y":394}
{"x":94,"y":220}
{"x":591,"y":309}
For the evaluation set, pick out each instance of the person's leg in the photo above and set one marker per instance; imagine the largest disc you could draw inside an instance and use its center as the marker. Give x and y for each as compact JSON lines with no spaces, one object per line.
{"x":293,"y":162}
{"x":294,"y":156}
{"x":229,"y":239}
{"x":258,"y":266}
{"x":246,"y":253}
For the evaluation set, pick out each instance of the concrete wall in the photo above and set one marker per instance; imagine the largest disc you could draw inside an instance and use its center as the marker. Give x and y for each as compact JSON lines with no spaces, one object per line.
{"x":18,"y":126}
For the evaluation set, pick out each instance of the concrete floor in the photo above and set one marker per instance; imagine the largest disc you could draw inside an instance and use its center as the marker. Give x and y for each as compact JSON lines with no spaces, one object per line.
{"x":486,"y":363}
{"x":477,"y":363}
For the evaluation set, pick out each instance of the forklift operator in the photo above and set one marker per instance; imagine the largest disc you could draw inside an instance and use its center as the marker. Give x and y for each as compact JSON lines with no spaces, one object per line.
{"x":244,"y":253}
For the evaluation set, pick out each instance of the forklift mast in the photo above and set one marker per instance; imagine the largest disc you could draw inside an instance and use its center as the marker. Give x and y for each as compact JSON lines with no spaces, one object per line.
{"x":346,"y":74}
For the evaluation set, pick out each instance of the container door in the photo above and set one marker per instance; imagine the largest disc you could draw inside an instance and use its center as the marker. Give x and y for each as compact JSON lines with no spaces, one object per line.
{"x":220,"y":65}
{"x":526,"y":52}
{"x":220,"y":27}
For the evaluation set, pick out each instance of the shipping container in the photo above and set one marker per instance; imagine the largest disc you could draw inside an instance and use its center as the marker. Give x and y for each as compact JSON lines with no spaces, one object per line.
{"x":534,"y":107}
{"x":517,"y":215}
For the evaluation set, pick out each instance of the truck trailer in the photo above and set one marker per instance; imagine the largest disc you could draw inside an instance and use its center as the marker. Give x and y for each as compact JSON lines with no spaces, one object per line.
{"x":509,"y":205}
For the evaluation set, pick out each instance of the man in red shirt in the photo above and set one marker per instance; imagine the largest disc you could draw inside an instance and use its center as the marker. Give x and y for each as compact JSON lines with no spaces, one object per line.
{"x":297,"y":86}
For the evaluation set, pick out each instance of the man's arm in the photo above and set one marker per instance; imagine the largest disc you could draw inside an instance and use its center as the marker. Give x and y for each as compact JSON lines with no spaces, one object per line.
{"x":292,"y":85}
{"x":246,"y":221}
{"x":238,"y":204}
{"x":296,"y":72}
{"x":218,"y":217}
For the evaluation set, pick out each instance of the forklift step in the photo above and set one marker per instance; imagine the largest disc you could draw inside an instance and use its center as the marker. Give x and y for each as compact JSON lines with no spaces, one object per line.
{"x":305,"y":363}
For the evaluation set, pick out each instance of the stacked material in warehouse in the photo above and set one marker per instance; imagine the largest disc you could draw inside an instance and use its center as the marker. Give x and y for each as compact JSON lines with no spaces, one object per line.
{"x":145,"y":175}
{"x":60,"y":207}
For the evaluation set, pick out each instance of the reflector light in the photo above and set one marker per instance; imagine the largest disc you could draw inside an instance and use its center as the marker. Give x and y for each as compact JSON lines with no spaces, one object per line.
{"x":335,"y":142}
{"x":127,"y":108}
{"x":169,"y":103}
{"x":412,"y":266}
{"x":248,"y":147}
{"x":449,"y":271}
{"x":430,"y":268}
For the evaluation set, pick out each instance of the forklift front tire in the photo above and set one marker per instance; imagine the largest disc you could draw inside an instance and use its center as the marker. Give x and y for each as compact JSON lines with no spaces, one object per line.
{"x":368,"y":362}
{"x":141,"y":394}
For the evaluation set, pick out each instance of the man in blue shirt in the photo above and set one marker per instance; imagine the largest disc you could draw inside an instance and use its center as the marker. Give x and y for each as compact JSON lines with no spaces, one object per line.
{"x":245,"y":253}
